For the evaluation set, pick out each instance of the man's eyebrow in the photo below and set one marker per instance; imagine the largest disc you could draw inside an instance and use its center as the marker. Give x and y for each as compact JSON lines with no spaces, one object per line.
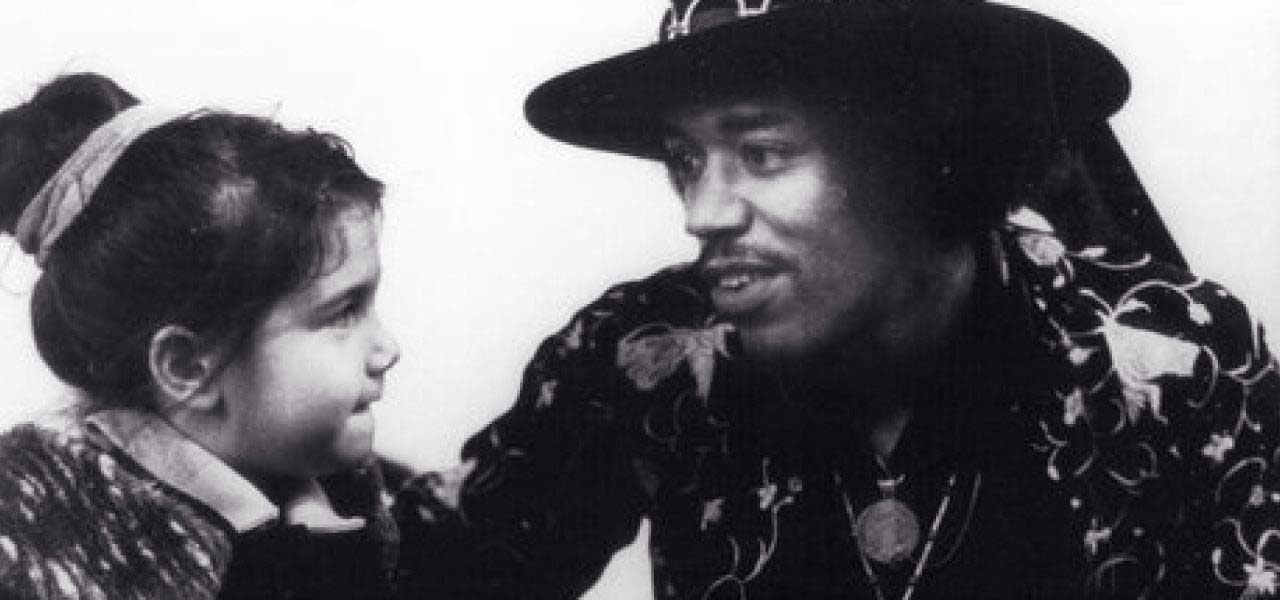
{"x":736,"y":123}
{"x":743,"y":122}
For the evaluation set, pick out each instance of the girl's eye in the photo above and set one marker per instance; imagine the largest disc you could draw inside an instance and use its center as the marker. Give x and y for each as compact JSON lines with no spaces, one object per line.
{"x":348,"y":314}
{"x":345,"y":317}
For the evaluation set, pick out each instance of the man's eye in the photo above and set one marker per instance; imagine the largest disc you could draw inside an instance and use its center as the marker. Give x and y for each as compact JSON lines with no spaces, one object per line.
{"x":683,"y":161}
{"x":764,"y":158}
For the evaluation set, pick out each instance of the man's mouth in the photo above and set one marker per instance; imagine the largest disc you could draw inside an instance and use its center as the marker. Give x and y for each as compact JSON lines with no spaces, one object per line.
{"x":735,"y":281}
{"x":739,"y":287}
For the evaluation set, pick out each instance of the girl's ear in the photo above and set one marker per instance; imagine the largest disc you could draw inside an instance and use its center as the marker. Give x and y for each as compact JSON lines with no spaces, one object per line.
{"x":182,"y":368}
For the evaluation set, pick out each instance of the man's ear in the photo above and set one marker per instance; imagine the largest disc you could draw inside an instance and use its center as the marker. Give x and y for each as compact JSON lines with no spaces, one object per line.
{"x":182,"y":367}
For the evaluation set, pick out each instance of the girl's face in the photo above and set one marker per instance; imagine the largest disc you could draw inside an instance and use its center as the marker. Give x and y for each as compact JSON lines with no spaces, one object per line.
{"x":298,"y":396}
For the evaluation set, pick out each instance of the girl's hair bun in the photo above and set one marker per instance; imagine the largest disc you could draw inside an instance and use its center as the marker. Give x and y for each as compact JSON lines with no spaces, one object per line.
{"x":204,"y":221}
{"x":37,"y":137}
{"x":82,"y":98}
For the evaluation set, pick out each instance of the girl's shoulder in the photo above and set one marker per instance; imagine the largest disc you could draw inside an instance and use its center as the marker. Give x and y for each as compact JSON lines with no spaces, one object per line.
{"x":81,"y":517}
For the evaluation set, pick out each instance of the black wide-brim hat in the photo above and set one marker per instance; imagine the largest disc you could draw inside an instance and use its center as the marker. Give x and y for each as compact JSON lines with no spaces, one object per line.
{"x":1000,"y":73}
{"x":880,"y":51}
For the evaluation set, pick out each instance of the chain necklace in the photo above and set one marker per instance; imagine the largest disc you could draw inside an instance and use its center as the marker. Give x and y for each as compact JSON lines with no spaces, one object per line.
{"x":888,"y":531}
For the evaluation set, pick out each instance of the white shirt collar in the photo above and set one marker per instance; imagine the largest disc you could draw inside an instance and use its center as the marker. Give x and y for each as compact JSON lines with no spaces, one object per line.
{"x":184,"y":464}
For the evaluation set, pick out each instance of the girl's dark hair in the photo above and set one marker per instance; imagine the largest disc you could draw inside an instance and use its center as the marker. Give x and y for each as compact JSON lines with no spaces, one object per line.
{"x":203,"y":222}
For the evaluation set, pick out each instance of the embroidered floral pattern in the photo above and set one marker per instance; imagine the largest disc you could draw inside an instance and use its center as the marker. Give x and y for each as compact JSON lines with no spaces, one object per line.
{"x":1149,"y":382}
{"x":751,"y":553}
{"x":1153,"y":419}
{"x":653,"y":352}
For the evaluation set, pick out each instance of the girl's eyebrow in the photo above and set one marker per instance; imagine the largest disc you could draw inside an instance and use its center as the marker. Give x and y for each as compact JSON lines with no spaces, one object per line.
{"x":358,"y":291}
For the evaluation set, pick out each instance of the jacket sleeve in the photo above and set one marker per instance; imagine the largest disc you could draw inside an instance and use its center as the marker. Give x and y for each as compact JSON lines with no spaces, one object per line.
{"x":545,"y":494}
{"x":1230,"y":442}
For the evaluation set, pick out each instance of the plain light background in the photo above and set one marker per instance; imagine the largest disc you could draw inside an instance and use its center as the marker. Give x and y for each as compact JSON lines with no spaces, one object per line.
{"x":494,"y":234}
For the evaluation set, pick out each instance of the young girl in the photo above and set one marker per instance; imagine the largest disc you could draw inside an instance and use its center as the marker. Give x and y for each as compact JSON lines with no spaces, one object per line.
{"x":208,"y":283}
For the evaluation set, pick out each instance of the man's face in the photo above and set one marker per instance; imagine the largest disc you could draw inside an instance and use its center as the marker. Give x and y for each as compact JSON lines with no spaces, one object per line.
{"x":803,"y":250}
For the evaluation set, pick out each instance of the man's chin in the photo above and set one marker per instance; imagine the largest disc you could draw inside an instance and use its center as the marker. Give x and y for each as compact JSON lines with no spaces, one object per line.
{"x":778,"y":343}
{"x":802,"y":344}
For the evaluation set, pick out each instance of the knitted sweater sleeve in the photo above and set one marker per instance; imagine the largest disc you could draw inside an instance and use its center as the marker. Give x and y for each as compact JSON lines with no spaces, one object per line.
{"x":81,"y":521}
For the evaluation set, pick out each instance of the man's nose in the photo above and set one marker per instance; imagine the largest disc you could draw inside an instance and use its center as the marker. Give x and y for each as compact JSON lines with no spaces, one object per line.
{"x":713,"y":203}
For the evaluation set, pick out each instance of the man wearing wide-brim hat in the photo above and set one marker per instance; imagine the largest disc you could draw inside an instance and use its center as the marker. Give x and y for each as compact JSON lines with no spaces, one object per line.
{"x":937,"y":344}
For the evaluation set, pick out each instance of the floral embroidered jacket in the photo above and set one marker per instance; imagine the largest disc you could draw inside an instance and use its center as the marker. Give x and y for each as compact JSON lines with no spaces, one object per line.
{"x":1112,"y":433}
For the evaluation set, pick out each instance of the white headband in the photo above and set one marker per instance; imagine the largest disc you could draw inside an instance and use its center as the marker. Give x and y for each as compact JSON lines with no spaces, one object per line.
{"x":66,"y":194}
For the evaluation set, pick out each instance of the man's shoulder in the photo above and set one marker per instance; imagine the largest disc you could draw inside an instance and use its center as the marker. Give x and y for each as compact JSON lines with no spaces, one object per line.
{"x":674,"y":290}
{"x":636,"y":334}
{"x":1102,"y":289}
{"x":1141,"y":350}
{"x":671,"y":297}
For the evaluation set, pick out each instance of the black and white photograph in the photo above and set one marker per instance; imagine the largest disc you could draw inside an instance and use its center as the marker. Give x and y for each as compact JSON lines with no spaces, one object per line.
{"x":640,"y":299}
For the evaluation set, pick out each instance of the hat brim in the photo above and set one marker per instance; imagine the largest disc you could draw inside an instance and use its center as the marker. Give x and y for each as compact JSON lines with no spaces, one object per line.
{"x":1004,"y":57}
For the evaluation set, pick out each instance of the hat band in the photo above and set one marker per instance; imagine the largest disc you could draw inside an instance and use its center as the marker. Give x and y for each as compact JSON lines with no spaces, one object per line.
{"x":65,"y":195}
{"x":698,"y":16}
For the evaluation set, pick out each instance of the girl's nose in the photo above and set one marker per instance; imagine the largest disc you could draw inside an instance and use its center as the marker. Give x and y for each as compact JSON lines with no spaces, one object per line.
{"x":386,"y":350}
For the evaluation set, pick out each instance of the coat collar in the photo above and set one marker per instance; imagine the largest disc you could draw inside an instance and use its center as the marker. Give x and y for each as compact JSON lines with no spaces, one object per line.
{"x":182,"y":463}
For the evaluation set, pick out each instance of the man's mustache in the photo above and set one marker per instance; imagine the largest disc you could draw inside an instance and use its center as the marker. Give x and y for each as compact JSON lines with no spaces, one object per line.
{"x":728,"y":254}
